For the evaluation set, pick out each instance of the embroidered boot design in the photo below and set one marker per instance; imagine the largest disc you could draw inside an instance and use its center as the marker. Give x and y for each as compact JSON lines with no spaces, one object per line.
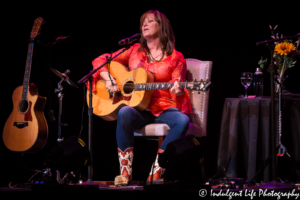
{"x":125,"y":159}
{"x":157,"y":170}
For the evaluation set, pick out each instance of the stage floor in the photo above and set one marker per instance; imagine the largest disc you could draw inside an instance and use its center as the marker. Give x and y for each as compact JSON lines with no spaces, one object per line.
{"x":148,"y":191}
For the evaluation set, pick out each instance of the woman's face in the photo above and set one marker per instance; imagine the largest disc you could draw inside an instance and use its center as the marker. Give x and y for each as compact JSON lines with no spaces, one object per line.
{"x":150,"y":27}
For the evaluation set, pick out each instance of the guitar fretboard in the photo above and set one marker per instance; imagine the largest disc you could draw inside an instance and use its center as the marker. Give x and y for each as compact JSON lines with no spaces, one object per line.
{"x":27,"y":69}
{"x":156,"y":86}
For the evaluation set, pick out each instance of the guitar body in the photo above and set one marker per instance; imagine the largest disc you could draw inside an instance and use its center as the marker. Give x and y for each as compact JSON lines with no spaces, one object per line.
{"x":136,"y":88}
{"x":26,"y":128}
{"x":106,"y":105}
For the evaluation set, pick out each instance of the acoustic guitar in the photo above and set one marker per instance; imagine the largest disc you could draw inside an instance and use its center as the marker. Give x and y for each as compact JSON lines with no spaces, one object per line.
{"x":26,"y":129}
{"x":136,"y":88}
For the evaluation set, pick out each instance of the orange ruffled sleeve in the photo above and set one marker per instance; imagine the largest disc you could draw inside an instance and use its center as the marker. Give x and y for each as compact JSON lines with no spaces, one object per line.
{"x":182,"y":102}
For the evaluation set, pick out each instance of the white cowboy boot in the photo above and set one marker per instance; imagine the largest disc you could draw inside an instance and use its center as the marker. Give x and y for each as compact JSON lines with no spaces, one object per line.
{"x":125,"y":159}
{"x":157,"y":170}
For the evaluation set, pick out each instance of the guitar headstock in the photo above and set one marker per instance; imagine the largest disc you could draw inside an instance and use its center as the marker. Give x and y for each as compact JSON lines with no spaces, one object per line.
{"x":36,"y":27}
{"x":198,"y":85}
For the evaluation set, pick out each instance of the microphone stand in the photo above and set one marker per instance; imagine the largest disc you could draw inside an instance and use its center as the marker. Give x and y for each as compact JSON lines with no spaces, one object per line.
{"x":60,"y":97}
{"x":282,"y":149}
{"x":89,"y":77}
{"x":274,"y":184}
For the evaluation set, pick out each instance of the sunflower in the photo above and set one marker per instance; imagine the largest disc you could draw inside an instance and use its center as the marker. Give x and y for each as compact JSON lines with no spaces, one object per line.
{"x":284,"y":48}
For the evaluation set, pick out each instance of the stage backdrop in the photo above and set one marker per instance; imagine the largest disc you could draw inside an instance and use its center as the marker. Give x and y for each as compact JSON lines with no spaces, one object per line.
{"x":223,"y":34}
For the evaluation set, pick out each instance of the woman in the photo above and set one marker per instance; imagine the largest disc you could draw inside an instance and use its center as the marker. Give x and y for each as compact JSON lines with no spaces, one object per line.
{"x":156,"y":54}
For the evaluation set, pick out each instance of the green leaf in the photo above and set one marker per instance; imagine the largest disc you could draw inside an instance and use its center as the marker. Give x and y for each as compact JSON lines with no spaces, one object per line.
{"x":260,"y":61}
{"x":289,"y":63}
{"x":261,"y":66}
{"x":288,"y":59}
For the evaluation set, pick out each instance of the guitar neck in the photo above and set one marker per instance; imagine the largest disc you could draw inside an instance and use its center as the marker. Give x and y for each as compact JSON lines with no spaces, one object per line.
{"x":168,"y":85}
{"x":156,"y":86}
{"x":27,"y":69}
{"x":34,"y":32}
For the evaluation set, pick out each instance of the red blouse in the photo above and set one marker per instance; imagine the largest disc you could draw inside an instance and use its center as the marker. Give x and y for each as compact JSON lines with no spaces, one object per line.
{"x":170,"y":69}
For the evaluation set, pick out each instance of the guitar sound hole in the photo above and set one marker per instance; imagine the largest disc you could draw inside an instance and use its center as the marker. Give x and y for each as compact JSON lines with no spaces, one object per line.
{"x":128,"y":87}
{"x":23,"y":105}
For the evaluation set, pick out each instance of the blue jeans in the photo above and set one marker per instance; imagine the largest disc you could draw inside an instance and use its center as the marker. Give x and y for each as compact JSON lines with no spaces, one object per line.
{"x":130,"y":119}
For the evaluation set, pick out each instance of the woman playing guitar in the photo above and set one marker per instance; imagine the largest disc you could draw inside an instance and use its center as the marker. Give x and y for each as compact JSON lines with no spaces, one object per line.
{"x":156,"y":54}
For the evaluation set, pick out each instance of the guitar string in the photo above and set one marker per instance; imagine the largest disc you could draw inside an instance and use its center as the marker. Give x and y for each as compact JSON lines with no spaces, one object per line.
{"x":133,"y":85}
{"x":157,"y":83}
{"x":151,"y":86}
{"x":128,"y":85}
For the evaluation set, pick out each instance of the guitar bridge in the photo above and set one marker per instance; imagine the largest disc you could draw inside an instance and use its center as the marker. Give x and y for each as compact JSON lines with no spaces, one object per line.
{"x":20,"y":124}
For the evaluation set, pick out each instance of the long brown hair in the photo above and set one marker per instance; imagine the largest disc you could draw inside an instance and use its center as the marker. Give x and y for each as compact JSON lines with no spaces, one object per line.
{"x":165,"y":32}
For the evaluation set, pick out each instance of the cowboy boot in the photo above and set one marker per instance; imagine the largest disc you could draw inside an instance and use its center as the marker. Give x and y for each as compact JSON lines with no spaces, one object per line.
{"x":125,"y":159}
{"x":157,"y":170}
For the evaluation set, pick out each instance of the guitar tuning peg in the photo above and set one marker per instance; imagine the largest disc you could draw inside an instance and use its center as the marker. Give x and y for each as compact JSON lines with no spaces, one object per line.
{"x":193,"y":92}
{"x":198,"y":92}
{"x":201,"y":79}
{"x":195,"y":79}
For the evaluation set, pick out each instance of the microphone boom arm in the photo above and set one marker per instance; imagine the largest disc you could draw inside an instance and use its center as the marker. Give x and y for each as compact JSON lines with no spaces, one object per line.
{"x":86,"y":77}
{"x":279,"y":39}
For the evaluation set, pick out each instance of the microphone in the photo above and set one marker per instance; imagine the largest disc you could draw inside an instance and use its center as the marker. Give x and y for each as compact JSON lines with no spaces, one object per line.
{"x":129,"y":40}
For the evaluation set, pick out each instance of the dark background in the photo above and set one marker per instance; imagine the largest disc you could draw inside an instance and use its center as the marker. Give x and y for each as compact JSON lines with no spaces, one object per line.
{"x":222,"y":33}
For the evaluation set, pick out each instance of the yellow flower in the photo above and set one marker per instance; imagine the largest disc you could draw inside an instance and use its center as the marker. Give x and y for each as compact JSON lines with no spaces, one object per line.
{"x":284,"y":48}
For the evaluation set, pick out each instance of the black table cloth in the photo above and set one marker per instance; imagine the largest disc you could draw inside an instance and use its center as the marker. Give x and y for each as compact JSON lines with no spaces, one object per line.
{"x":245,"y":138}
